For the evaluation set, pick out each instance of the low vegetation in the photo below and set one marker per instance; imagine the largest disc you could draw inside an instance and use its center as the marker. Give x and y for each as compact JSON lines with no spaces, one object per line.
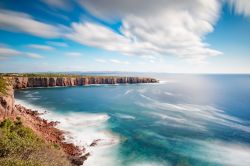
{"x":3,"y":86}
{"x":49,"y":75}
{"x":20,"y":146}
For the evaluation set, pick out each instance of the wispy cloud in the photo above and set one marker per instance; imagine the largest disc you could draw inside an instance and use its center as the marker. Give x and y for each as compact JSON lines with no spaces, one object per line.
{"x":241,"y":6}
{"x":58,"y":44}
{"x":100,"y":60}
{"x":74,"y":54}
{"x":7,"y":52}
{"x":116,"y":61}
{"x":41,"y":47}
{"x":22,"y":22}
{"x":60,"y":4}
{"x":33,"y":55}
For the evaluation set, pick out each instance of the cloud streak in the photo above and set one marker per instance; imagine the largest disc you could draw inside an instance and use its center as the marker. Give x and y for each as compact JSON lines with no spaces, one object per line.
{"x":119,"y":62}
{"x":114,"y":61}
{"x":59,"y":4}
{"x":7,"y":52}
{"x":74,"y":54}
{"x":41,"y":47}
{"x":34,"y":55}
{"x":241,"y":6}
{"x":22,"y":22}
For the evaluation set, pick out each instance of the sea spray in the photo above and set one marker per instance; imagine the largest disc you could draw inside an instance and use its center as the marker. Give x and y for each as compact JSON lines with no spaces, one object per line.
{"x":84,"y":129}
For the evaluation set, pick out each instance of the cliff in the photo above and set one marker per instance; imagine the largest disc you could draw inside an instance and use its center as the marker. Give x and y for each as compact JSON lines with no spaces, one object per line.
{"x":26,"y":82}
{"x":43,"y":129}
{"x":9,"y":83}
{"x":7,"y":106}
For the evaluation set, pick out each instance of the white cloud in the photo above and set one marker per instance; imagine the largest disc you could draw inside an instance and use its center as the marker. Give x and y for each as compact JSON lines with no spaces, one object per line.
{"x":161,"y":27}
{"x":33,"y":55}
{"x":100,"y":60}
{"x":58,"y":44}
{"x":73,"y":54}
{"x":115,"y":61}
{"x":22,"y":22}
{"x":119,"y":62}
{"x":241,"y":6}
{"x":6,"y":52}
{"x":41,"y":47}
{"x":151,"y":61}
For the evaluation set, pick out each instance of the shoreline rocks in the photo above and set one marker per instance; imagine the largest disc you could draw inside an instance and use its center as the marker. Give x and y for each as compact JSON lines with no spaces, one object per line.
{"x":48,"y":131}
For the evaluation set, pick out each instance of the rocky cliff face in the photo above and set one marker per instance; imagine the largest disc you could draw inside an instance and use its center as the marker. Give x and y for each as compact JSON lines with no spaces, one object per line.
{"x":25,"y":82}
{"x":7,"y":106}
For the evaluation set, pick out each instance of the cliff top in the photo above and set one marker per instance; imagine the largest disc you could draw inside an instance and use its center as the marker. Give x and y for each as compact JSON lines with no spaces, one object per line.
{"x":55,"y":75}
{"x":3,"y":86}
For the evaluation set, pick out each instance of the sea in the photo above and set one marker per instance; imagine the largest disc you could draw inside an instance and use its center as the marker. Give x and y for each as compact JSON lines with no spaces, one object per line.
{"x":184,"y":120}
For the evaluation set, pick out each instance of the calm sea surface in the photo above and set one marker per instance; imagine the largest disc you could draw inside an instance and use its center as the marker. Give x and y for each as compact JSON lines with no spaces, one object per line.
{"x":196,"y":120}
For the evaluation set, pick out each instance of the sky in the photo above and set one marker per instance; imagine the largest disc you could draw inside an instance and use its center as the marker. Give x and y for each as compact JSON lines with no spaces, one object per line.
{"x":172,"y":36}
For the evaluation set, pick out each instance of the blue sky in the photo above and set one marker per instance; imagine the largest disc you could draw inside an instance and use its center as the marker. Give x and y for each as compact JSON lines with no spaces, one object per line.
{"x":183,"y":36}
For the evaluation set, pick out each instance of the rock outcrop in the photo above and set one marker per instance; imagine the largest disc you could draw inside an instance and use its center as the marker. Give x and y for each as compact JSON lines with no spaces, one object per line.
{"x":7,"y":105}
{"x":27,"y":82}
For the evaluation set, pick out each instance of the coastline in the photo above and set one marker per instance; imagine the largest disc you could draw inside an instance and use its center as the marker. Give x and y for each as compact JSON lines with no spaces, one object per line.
{"x":84,"y":136}
{"x":80,"y":135}
{"x":49,"y":131}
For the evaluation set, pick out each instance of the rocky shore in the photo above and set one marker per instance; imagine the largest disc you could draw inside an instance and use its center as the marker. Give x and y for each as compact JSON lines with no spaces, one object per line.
{"x":43,"y":128}
{"x":48,"y":131}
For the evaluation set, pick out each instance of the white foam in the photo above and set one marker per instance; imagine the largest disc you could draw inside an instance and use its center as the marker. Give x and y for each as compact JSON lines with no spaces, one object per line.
{"x":128,"y":91}
{"x":83,"y":129}
{"x":192,"y":115}
{"x":221,"y":152}
{"x":124,"y":116}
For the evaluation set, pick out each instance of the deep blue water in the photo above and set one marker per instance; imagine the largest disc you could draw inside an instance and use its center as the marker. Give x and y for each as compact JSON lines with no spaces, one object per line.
{"x":184,"y":120}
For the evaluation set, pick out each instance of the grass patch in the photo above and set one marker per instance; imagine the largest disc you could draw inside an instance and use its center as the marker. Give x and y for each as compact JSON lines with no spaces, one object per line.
{"x":4,"y":83}
{"x":20,"y":146}
{"x":3,"y":86}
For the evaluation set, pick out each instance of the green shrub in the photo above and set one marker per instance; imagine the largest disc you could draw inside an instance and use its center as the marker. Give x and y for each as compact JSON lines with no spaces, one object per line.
{"x":20,"y":146}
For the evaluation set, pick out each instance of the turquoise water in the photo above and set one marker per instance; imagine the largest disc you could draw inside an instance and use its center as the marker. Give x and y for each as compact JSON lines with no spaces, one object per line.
{"x":184,"y":120}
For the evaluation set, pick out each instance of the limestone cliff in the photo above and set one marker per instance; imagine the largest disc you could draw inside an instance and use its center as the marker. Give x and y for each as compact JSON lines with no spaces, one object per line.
{"x":25,"y":82}
{"x":7,"y":106}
